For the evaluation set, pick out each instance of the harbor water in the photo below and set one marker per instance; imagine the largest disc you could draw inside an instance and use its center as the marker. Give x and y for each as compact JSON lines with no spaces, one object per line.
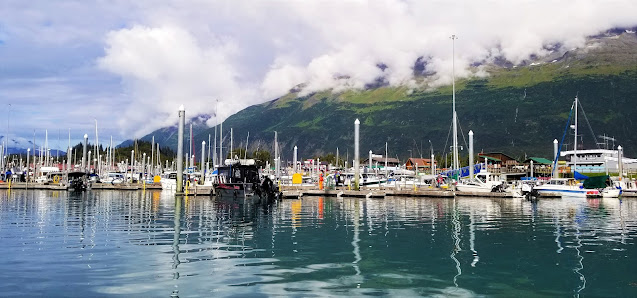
{"x":150,"y":244}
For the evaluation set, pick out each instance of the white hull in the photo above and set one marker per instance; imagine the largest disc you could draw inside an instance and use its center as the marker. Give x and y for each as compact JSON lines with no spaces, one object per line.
{"x":565,"y":192}
{"x":168,"y":183}
{"x":473,"y":188}
{"x":610,"y":192}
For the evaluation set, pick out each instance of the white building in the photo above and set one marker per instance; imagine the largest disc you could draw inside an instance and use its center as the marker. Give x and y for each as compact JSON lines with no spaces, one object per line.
{"x":597,"y":160}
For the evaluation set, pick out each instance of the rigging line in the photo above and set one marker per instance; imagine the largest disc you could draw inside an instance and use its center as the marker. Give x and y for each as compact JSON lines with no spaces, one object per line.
{"x":462,"y":134}
{"x":444,"y":149}
{"x":416,"y":144}
{"x":589,"y":125}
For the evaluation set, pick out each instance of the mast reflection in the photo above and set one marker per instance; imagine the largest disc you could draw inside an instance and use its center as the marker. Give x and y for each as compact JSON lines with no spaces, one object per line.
{"x":456,"y":238}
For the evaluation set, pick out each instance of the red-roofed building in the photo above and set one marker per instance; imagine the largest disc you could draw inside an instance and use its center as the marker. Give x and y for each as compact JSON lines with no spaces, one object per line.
{"x":421,"y":163}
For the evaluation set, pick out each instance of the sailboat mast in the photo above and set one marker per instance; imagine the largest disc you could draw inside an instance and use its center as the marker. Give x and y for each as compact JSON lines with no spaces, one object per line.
{"x":191,"y":159}
{"x":245,"y":154}
{"x":456,"y":164}
{"x":231,"y":145}
{"x":46,"y":147}
{"x":97,"y":152}
{"x":575,"y":141}
{"x":221,"y":159}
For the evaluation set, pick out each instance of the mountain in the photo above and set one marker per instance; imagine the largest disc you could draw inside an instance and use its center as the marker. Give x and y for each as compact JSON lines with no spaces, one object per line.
{"x":19,"y":146}
{"x":516,"y":109}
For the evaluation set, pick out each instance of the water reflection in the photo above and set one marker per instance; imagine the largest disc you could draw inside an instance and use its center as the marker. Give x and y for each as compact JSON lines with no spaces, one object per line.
{"x":150,"y":244}
{"x":177,"y":234}
{"x":456,"y":238}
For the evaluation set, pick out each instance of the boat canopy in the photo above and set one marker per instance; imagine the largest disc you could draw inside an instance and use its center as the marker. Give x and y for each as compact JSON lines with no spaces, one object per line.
{"x":597,"y":182}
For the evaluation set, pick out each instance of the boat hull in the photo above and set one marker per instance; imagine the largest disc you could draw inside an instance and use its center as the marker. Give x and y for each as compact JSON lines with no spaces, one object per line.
{"x":234,"y":190}
{"x":611,"y":193}
{"x":579,"y":193}
{"x":473,"y":188}
{"x":168,"y":183}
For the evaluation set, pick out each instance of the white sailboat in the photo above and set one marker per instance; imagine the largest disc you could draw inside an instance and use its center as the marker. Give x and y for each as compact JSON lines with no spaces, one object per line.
{"x":566,"y":187}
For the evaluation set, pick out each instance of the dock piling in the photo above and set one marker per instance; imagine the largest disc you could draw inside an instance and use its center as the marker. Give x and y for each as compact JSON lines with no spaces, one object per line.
{"x":357,"y":169}
{"x":180,"y":150}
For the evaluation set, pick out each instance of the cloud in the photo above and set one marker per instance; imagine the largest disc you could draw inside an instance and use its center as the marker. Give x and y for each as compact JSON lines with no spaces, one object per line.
{"x":244,"y":53}
{"x":143,"y":59}
{"x":167,"y":67}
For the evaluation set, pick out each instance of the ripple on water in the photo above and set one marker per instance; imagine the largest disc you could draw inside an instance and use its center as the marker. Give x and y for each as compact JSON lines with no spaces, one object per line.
{"x":147,"y":244}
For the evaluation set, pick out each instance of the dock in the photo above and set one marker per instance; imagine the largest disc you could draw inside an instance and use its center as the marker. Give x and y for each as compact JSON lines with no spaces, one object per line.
{"x":290,"y":192}
{"x":94,"y":186}
{"x":484,"y":194}
{"x":293,"y":192}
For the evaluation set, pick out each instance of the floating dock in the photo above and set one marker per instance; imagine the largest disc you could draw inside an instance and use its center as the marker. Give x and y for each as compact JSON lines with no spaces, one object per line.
{"x":289,"y":192}
{"x":292,"y":191}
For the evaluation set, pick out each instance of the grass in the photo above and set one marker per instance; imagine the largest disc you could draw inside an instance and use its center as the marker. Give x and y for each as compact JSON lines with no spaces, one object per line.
{"x":379,"y":95}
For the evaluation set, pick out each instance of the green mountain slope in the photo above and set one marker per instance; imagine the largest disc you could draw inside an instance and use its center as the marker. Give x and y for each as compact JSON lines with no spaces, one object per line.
{"x":516,"y":110}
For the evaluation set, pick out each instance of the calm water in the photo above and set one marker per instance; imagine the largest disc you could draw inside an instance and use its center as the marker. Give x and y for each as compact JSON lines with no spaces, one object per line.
{"x":111,"y":243}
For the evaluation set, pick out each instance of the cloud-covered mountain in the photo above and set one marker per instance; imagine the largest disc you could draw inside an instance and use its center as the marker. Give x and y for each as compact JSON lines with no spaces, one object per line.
{"x":517,"y":108}
{"x":244,"y":53}
{"x":130,"y":64}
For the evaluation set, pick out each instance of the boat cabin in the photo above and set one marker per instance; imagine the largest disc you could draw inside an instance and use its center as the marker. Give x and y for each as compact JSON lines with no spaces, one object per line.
{"x":238,"y":173}
{"x":484,"y":176}
{"x":562,"y":181}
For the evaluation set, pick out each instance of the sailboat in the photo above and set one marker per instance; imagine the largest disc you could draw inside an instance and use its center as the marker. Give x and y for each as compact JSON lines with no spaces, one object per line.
{"x":566,"y":187}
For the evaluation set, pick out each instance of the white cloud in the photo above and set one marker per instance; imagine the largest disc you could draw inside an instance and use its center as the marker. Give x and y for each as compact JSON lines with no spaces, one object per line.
{"x":246,"y":52}
{"x":167,"y":67}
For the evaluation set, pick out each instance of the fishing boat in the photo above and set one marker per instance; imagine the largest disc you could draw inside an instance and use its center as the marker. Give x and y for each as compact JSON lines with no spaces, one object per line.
{"x":237,"y":179}
{"x":77,"y":181}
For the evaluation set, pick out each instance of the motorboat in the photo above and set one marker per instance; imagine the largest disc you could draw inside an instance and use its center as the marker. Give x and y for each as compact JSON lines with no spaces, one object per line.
{"x":364,"y":179}
{"x":611,"y":192}
{"x":169,"y":180}
{"x":113,"y":178}
{"x":563,"y":187}
{"x":483,"y":181}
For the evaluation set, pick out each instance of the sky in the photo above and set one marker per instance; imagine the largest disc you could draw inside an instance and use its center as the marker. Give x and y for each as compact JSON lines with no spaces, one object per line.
{"x":129,"y":65}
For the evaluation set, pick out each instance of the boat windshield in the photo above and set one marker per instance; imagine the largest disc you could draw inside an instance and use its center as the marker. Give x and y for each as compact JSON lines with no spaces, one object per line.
{"x":557,"y":182}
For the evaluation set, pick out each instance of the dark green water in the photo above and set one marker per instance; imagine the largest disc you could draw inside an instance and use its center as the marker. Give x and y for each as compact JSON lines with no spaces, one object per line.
{"x":134,"y":244}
